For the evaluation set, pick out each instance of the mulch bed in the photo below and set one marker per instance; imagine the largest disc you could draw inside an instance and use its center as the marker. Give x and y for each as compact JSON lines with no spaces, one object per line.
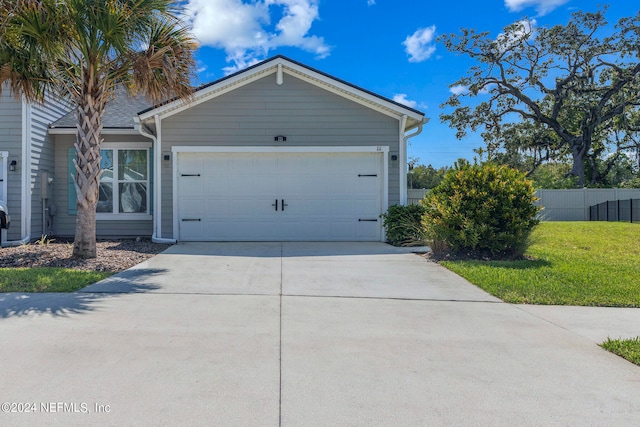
{"x":113,"y":255}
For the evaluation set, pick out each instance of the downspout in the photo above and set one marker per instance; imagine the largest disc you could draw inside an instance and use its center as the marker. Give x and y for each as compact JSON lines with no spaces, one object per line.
{"x":403,"y":155}
{"x":25,"y":202}
{"x":157,"y":176}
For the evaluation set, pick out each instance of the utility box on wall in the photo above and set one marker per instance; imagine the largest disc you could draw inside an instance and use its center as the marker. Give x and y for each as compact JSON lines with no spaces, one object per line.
{"x":45,"y":180}
{"x":393,"y":160}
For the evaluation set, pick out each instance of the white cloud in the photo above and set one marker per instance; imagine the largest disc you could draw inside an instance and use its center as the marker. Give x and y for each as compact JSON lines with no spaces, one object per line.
{"x":371,"y":2}
{"x":542,"y":6}
{"x":420,"y":45}
{"x":458,"y":89}
{"x":245,"y":30}
{"x":401,"y":98}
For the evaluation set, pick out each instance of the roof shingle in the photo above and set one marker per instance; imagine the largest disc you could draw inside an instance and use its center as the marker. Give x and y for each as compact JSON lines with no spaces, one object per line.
{"x":118,"y":114}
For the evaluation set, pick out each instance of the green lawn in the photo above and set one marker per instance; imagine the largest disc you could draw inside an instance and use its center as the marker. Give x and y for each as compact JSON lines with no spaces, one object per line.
{"x":629,"y":349}
{"x":573,"y":263}
{"x":47,"y":279}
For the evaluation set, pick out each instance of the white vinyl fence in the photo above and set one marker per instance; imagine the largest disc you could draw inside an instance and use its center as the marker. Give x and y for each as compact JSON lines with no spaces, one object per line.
{"x":563,"y":205}
{"x":414,"y":196}
{"x":573,"y":205}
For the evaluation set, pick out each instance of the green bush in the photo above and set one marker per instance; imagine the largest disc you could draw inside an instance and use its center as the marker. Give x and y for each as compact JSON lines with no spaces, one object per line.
{"x":481,"y":210}
{"x":404,"y":225}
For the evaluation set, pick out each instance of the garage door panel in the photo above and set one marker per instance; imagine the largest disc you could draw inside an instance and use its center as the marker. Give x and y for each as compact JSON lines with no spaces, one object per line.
{"x":344,"y":207}
{"x":191,"y":186}
{"x":265,"y":185}
{"x":265,"y":164}
{"x":341,"y":185}
{"x":317,"y":207}
{"x":367,"y":230}
{"x":341,"y":164}
{"x":216,"y":209}
{"x":242,"y":185}
{"x":318,"y":186}
{"x":368,"y":185}
{"x":340,"y":229}
{"x":239,"y":163}
{"x":290,"y":185}
{"x":215,"y":187}
{"x":291,"y":163}
{"x":215,"y":166}
{"x":215,"y":230}
{"x":248,"y":208}
{"x":316,"y":165}
{"x":325,"y":197}
{"x":190,"y":162}
{"x":191,"y":228}
{"x":191,"y":208}
{"x":366,"y":207}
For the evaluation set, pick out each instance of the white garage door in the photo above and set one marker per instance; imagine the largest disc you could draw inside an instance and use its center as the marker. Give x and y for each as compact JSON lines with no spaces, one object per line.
{"x":279,"y":196}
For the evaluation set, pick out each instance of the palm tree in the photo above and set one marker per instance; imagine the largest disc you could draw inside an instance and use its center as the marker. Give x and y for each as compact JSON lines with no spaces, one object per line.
{"x":84,"y":49}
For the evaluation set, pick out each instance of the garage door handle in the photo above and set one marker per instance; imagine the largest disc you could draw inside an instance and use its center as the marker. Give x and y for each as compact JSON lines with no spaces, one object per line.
{"x":283,"y":205}
{"x":360,"y":175}
{"x":191,"y":219}
{"x":275,"y":204}
{"x":367,"y":220}
{"x":190,"y":174}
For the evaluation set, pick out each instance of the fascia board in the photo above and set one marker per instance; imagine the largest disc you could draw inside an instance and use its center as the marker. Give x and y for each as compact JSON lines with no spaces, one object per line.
{"x":210,"y":92}
{"x":349,"y":92}
{"x":72,"y":131}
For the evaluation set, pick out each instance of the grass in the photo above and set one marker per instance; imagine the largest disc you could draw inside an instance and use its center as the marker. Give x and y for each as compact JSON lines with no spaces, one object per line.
{"x":47,"y":279}
{"x":628,"y":349}
{"x":573,"y":263}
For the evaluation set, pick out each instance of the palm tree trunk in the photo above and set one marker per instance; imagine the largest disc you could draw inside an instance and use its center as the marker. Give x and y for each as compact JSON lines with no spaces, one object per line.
{"x":90,"y":111}
{"x":84,"y":245}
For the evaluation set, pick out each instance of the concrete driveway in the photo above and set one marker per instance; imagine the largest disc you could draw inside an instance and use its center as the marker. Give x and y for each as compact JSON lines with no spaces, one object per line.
{"x":299,"y":334}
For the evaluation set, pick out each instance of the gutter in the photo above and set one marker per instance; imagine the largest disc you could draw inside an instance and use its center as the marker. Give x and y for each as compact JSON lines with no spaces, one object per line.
{"x":156,"y":237}
{"x":403,"y":155}
{"x":25,"y":202}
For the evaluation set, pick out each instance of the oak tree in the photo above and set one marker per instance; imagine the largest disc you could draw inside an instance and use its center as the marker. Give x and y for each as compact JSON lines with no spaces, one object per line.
{"x":569,"y":89}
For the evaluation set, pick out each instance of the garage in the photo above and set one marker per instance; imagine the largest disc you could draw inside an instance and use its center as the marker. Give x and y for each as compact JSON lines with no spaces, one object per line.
{"x":279,"y":196}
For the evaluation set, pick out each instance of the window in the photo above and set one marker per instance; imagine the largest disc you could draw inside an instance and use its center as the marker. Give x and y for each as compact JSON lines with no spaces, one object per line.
{"x":124,"y":182}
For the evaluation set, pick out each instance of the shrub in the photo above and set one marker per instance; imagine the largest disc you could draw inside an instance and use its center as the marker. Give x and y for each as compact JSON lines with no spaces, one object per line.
{"x":481,"y":210}
{"x":404,"y":225}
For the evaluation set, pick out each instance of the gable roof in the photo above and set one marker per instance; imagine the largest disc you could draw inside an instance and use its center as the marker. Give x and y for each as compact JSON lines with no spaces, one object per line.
{"x":278,"y":65}
{"x":122,"y":112}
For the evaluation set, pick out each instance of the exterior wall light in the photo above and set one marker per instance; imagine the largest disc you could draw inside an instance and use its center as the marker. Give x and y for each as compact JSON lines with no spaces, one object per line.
{"x":12,"y":165}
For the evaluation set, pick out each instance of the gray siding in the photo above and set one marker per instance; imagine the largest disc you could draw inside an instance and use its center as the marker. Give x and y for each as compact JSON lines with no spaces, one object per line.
{"x":63,"y":223}
{"x":11,"y":141}
{"x":252,"y":115}
{"x":42,"y":161}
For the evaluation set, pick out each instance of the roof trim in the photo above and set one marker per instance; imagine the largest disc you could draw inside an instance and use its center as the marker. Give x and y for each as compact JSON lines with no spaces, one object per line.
{"x":296,"y":69}
{"x":105,"y":131}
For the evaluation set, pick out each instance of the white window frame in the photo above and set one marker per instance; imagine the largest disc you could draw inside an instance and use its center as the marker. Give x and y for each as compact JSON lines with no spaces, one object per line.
{"x":115,"y":215}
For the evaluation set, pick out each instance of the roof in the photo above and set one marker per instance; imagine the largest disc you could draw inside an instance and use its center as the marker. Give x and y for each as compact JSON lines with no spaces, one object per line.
{"x":299,"y":64}
{"x":118,"y":114}
{"x":123,"y":111}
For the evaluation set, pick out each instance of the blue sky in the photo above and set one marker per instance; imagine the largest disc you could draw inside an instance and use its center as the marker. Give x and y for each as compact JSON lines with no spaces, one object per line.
{"x":386,"y":46}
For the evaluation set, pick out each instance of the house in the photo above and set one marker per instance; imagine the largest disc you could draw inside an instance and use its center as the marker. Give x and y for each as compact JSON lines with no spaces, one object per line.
{"x":26,"y":164}
{"x":278,"y":151}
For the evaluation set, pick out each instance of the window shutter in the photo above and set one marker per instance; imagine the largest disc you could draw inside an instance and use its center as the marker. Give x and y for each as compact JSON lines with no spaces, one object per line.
{"x":150,"y":189}
{"x":71,"y":193}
